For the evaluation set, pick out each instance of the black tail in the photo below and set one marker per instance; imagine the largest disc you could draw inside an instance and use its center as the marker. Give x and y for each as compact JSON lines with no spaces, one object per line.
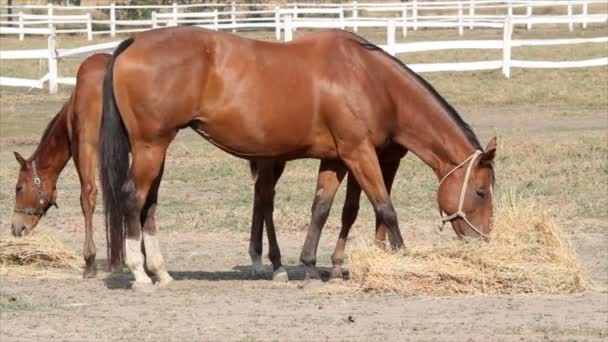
{"x":114,"y":163}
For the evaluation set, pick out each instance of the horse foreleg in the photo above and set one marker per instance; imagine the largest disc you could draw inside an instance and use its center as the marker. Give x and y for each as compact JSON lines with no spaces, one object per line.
{"x":349,"y":215}
{"x":362,"y":162}
{"x":389,"y":170}
{"x":274,"y":252}
{"x":330,"y":176}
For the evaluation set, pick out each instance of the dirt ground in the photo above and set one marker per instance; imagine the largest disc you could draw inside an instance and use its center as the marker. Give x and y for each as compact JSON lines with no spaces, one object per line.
{"x":215,"y":298}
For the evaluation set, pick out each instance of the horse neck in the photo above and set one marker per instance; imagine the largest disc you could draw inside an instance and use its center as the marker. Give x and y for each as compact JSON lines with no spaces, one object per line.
{"x":426,"y":126}
{"x":53,"y":151}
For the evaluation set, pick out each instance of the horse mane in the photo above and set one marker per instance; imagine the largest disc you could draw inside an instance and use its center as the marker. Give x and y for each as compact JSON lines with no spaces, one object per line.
{"x":466,"y":128}
{"x":49,"y":129}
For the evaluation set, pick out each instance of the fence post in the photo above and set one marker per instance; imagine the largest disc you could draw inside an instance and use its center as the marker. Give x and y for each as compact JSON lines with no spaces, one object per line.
{"x":233,"y":15}
{"x":112,"y":20}
{"x":404,"y":20}
{"x":390,"y":37}
{"x":216,"y":22}
{"x":277,"y":22}
{"x":341,"y":15}
{"x":460,"y":27}
{"x":52,"y":61}
{"x":355,"y":16}
{"x":509,"y":8}
{"x":571,"y":23}
{"x":89,"y":27}
{"x":174,"y":14}
{"x":506,"y":47}
{"x":50,"y":15}
{"x":585,"y":13}
{"x":471,"y":13}
{"x":288,"y":28}
{"x":295,"y":15}
{"x":21,"y":26}
{"x":154,"y":20}
{"x":529,"y":15}
{"x":415,"y":14}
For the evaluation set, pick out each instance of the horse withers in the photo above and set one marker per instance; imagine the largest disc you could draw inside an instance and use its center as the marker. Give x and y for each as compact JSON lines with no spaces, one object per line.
{"x":330,"y":95}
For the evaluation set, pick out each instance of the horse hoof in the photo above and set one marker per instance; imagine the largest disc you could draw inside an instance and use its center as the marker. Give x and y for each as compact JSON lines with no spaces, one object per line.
{"x":336,"y":280}
{"x":115,"y":268}
{"x":164,"y":281}
{"x":89,"y":272}
{"x":143,"y":286}
{"x":280,"y":275}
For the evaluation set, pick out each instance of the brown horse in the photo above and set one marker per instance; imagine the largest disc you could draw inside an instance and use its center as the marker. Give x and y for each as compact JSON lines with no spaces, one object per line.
{"x":74,"y":131}
{"x":330,"y":96}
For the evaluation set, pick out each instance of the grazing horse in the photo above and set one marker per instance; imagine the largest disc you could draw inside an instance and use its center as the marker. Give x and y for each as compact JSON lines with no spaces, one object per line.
{"x":73,"y":132}
{"x":330,"y":95}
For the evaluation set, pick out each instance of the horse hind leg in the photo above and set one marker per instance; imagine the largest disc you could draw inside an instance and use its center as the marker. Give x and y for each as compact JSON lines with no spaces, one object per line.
{"x":145,"y":172}
{"x":259,"y":171}
{"x":86,"y":165}
{"x":154,"y":259}
{"x":274,"y":252}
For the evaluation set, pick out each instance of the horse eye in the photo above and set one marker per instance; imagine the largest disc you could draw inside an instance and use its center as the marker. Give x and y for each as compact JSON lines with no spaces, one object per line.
{"x":19,"y":188}
{"x":480,"y":193}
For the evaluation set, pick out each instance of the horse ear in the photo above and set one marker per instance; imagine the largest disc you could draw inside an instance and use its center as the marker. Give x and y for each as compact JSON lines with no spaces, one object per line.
{"x":20,"y":159}
{"x":488,"y":155}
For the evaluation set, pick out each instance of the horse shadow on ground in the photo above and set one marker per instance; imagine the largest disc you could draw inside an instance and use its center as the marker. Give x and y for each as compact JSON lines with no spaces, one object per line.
{"x":123,"y":279}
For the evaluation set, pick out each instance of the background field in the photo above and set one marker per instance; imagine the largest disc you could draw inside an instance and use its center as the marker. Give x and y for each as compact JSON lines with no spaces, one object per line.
{"x":552,"y":127}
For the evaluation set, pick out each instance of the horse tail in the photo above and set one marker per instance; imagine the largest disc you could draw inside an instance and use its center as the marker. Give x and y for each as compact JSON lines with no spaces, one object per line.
{"x":114,"y":163}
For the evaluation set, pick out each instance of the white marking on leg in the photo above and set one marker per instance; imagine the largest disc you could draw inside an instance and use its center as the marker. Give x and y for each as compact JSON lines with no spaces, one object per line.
{"x":135,"y":262}
{"x":154,"y":259}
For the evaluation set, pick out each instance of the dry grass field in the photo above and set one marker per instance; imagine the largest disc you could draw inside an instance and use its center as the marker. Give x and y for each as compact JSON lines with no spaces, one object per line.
{"x":552,"y":127}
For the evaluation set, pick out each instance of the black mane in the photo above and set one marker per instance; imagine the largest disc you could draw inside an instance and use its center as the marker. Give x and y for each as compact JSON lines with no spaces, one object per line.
{"x":466,"y":128}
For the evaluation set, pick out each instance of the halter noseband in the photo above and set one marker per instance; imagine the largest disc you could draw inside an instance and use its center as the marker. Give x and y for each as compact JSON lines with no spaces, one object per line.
{"x":459,"y":213}
{"x":38,"y":210}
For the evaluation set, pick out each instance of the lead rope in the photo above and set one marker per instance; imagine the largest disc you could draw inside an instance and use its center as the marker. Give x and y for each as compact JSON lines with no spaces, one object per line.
{"x":459,"y":213}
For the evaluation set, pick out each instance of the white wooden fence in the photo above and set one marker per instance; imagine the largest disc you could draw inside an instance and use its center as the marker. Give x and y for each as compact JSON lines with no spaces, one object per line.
{"x":458,"y":14}
{"x":53,"y":55}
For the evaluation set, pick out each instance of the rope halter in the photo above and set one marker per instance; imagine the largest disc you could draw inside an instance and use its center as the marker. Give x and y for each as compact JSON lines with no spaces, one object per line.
{"x":459,"y":213}
{"x":38,"y":210}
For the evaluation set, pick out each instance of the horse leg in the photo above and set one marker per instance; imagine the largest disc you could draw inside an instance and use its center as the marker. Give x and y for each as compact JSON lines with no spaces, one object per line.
{"x":331,"y":173}
{"x":258,"y":170}
{"x":145,"y":171}
{"x":362,"y":162}
{"x":389,"y":170}
{"x":86,"y":166}
{"x":349,"y":215}
{"x":274,"y":252}
{"x":154,"y":259}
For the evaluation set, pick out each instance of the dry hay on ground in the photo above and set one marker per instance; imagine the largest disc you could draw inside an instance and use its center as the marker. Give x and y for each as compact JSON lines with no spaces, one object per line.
{"x":526,"y":254}
{"x":36,"y":252}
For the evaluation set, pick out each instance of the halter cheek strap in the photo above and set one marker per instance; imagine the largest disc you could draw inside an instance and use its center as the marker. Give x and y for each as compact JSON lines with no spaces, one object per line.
{"x":42,"y":197}
{"x":459,"y":213}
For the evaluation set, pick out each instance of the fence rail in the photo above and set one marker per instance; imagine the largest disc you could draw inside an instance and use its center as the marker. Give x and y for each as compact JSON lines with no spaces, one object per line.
{"x":413,"y":15}
{"x":52,"y":54}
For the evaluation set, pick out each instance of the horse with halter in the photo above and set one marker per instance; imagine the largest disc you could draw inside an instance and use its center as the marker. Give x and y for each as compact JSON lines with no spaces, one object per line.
{"x":331,"y":96}
{"x":73,"y":133}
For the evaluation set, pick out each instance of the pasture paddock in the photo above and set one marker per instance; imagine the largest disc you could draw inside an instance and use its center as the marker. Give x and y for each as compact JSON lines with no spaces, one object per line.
{"x":551,"y":126}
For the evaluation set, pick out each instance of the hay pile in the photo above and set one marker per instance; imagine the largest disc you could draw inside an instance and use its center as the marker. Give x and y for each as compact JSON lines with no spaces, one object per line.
{"x":527,"y":254}
{"x":39,"y":251}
